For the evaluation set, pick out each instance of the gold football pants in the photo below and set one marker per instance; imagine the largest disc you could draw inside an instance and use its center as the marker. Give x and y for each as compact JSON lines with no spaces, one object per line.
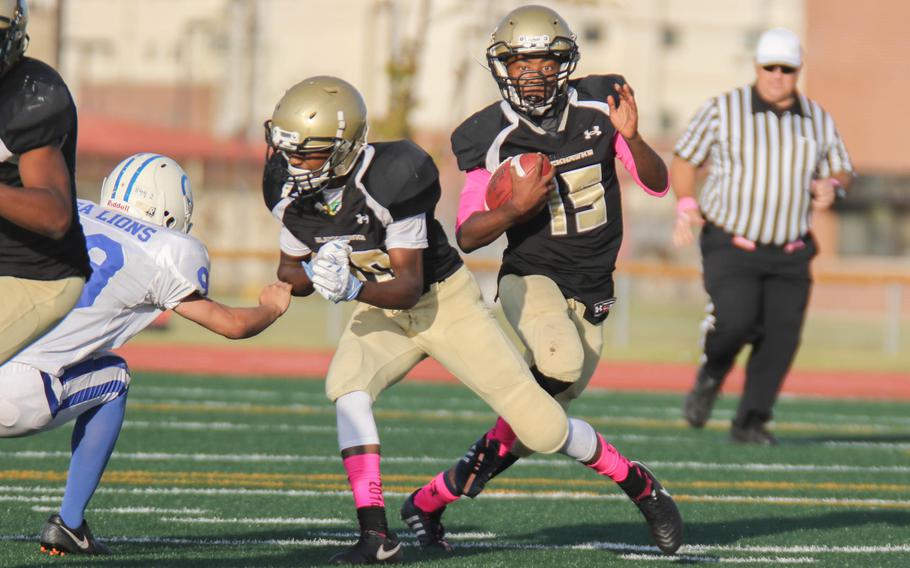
{"x":29,"y":308}
{"x":452,"y":324}
{"x":557,"y":338}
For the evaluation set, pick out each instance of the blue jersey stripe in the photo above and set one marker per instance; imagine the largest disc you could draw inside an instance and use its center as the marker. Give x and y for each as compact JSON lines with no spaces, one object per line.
{"x":129,"y":188}
{"x":120,"y":175}
{"x":118,"y":386}
{"x":52,"y":403}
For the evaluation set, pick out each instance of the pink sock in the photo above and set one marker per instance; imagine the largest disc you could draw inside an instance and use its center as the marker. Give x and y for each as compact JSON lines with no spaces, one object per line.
{"x":365,"y":480}
{"x":610,"y":463}
{"x":434,"y":495}
{"x":502,"y":433}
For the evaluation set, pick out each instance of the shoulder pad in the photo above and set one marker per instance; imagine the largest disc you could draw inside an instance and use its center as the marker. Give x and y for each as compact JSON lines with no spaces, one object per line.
{"x":189,"y":259}
{"x":39,"y":111}
{"x":474,"y":136}
{"x":598,"y":87}
{"x":403,"y":178}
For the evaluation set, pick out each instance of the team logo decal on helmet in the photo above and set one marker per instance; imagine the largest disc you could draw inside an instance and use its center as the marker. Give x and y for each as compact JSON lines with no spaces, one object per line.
{"x":533,"y":31}
{"x":13,"y":38}
{"x":318,"y":115}
{"x":152,"y":188}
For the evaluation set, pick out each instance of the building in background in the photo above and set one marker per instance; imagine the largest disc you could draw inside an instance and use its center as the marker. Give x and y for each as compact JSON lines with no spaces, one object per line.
{"x":197,"y":79}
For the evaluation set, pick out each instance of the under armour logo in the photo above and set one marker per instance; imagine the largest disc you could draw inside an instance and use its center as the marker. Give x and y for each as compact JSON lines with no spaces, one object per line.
{"x":593,"y":132}
{"x":362,"y":219}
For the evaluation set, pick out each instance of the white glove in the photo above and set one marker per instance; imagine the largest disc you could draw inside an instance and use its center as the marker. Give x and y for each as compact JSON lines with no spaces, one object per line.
{"x":338,"y":251}
{"x":331,"y":275}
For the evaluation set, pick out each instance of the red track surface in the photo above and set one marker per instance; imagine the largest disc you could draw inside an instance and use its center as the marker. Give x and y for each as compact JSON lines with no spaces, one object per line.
{"x":641,"y":376}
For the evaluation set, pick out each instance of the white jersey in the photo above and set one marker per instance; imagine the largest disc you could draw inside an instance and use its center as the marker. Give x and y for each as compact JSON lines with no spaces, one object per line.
{"x":138,"y":270}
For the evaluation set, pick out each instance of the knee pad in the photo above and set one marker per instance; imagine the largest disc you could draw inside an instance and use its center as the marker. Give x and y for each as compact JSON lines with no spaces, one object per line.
{"x":557,"y":349}
{"x":9,"y":414}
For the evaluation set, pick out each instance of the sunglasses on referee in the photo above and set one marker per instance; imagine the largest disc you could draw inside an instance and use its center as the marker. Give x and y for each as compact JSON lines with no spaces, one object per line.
{"x":785,"y":69}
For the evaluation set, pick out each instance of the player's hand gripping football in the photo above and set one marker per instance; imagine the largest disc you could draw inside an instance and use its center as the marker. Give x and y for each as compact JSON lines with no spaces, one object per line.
{"x":331,"y":274}
{"x":530,"y":191}
{"x":276,"y":295}
{"x":624,"y":111}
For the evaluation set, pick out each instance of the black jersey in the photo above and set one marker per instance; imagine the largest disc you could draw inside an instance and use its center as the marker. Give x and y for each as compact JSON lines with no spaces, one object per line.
{"x":575,"y":239}
{"x":36,"y":110}
{"x":390,"y":182}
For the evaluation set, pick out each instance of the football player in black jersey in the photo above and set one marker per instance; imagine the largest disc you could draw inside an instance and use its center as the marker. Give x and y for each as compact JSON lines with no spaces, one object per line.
{"x":555,"y":283}
{"x":43,"y":258}
{"x":358,"y":224}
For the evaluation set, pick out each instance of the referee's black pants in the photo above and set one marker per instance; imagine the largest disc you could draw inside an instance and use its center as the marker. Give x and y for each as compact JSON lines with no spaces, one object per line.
{"x":758,"y":297}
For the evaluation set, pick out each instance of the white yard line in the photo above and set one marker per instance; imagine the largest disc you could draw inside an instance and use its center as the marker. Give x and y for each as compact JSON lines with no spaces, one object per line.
{"x":621,"y":547}
{"x":545,"y":462}
{"x":256,"y":521}
{"x":490,"y":494}
{"x":860,"y":425}
{"x":685,"y":559}
{"x":25,"y":499}
{"x":131,"y":510}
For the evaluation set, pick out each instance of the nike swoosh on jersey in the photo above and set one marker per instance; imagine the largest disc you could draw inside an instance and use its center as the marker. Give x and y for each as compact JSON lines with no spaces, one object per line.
{"x":383,"y":554}
{"x":80,"y":542}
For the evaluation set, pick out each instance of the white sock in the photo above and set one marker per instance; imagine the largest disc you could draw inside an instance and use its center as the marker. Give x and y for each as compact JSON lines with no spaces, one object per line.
{"x":356,"y":426}
{"x":582,"y":441}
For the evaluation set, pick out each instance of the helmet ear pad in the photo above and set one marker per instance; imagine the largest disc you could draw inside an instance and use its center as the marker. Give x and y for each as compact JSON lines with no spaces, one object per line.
{"x":150,"y":188}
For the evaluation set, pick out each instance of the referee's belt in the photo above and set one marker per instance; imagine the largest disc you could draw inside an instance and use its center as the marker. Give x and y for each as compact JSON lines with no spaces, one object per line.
{"x":749,"y":245}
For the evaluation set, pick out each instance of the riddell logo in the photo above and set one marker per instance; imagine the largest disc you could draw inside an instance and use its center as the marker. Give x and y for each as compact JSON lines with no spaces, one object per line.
{"x":117,"y":205}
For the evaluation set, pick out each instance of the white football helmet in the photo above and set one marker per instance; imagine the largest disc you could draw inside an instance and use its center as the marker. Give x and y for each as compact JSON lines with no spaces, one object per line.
{"x":152,"y":188}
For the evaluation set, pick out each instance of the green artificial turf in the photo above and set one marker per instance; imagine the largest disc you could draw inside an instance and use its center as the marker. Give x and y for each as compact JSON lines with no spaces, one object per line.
{"x":213,"y":471}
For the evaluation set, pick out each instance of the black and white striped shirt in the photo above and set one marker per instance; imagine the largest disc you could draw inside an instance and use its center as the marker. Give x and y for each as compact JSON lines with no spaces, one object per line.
{"x":762,"y":163}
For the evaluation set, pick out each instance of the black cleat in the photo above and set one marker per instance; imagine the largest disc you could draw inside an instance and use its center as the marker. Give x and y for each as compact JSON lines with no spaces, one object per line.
{"x":752,"y":433}
{"x":372,"y":548}
{"x":427,"y":526}
{"x":661,"y":514}
{"x":700,"y":400}
{"x":59,"y":539}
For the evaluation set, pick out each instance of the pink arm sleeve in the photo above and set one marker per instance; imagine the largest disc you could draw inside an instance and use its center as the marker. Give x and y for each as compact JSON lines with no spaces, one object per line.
{"x":625,"y":156}
{"x":473,"y":195}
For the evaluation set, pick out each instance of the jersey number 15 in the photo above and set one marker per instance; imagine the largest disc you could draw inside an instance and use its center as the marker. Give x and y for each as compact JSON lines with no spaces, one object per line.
{"x":586,"y":192}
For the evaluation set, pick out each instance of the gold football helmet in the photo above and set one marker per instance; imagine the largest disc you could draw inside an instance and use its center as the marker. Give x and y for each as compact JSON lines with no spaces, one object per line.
{"x":13,"y":39}
{"x":319,"y":114}
{"x":533,"y":31}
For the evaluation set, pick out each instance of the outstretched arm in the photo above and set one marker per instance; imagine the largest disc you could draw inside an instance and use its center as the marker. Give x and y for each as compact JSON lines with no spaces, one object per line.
{"x":237,"y":323}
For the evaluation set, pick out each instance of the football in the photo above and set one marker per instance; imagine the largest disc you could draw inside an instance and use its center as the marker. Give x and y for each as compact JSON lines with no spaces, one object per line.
{"x":499,"y":188}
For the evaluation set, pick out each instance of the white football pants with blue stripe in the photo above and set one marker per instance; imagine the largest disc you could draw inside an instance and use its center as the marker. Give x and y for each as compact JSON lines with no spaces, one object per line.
{"x":33,"y":401}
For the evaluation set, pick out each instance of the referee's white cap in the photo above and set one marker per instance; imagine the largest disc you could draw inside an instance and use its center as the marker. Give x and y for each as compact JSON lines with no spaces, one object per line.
{"x":780,"y":46}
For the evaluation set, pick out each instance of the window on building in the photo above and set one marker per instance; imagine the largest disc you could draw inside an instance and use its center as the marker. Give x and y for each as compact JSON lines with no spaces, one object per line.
{"x":667,"y":121}
{"x":669,"y":36}
{"x":594,"y":33}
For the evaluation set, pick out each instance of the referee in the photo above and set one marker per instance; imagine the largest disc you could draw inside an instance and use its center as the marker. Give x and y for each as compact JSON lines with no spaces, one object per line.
{"x":774,"y":156}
